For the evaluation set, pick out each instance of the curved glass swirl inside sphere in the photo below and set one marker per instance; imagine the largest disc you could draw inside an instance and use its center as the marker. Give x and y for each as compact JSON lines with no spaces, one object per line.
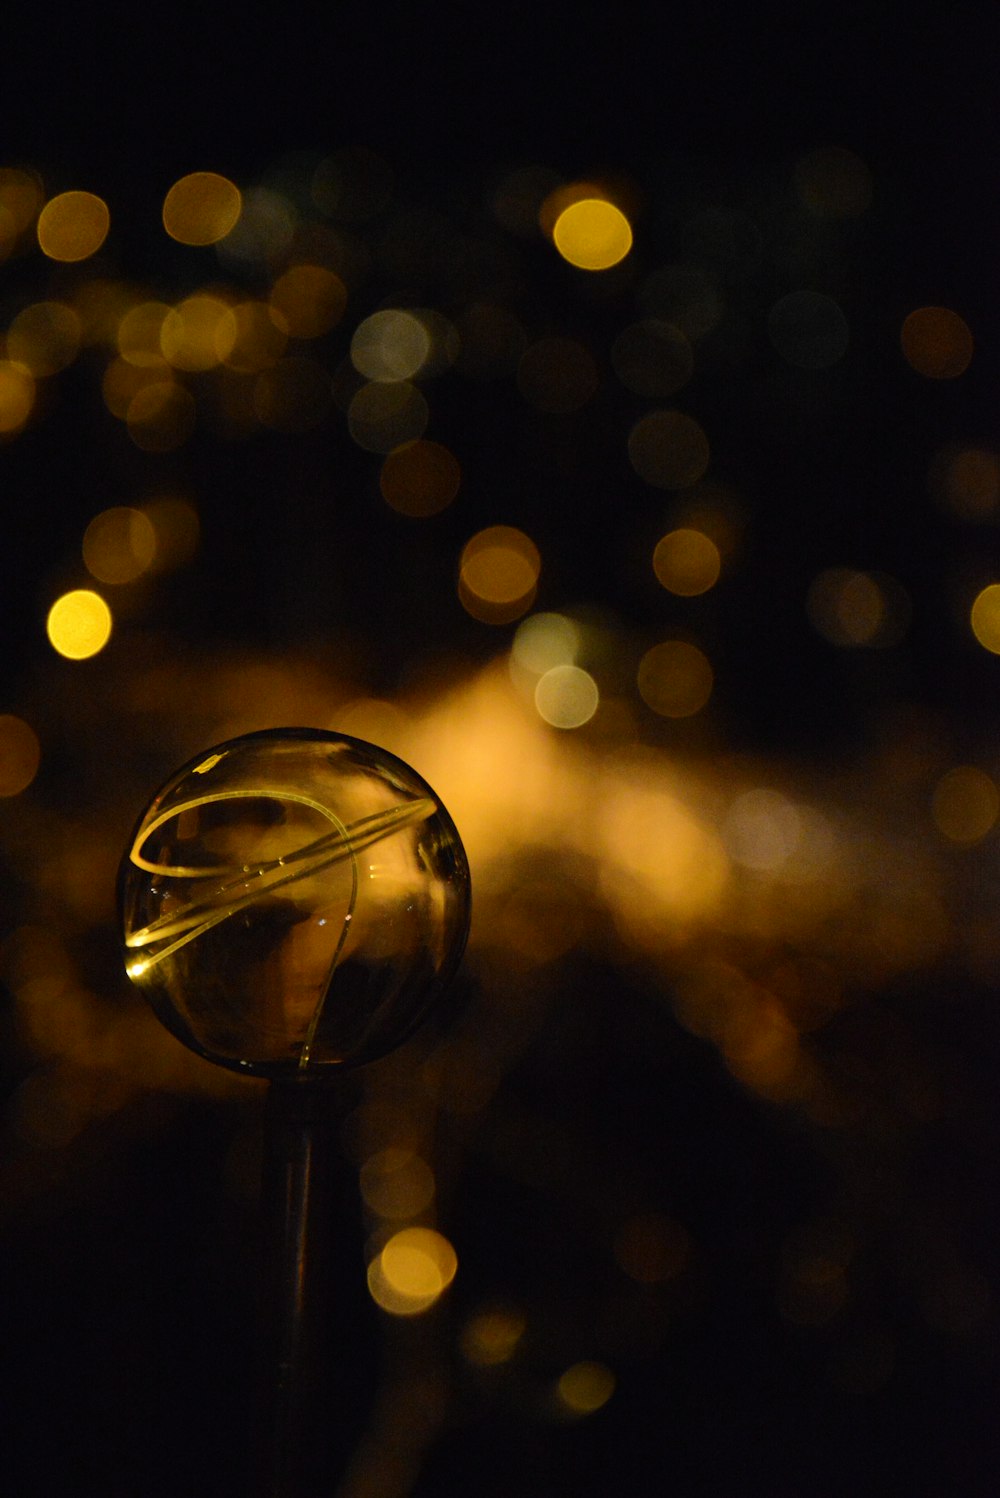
{"x":294,"y":901}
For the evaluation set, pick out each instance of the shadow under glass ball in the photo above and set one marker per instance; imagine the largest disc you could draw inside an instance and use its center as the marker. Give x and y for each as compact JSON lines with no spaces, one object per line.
{"x":293,"y":902}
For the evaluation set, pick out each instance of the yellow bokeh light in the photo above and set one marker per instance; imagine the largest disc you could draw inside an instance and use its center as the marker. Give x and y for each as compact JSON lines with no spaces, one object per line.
{"x":972,"y":482}
{"x":492,"y":1336}
{"x":383,"y":416}
{"x":498,"y":574}
{"x":390,"y":345}
{"x":201,"y":208}
{"x":79,"y":624}
{"x":985,"y":618}
{"x":592,"y":234}
{"x":21,"y":197}
{"x":160,"y":416}
{"x":119,"y":545}
{"x":566,"y":697}
{"x":20,"y":755}
{"x":44,"y":337}
{"x":198,"y":334}
{"x":396,"y":1183}
{"x":17,"y":396}
{"x":965,"y":804}
{"x":585,"y":1387}
{"x":675,"y":679}
{"x":853,"y":608}
{"x":122,"y":381}
{"x":420,"y":478}
{"x":73,"y":226}
{"x":258,"y":343}
{"x":307,"y":301}
{"x":937,"y":343}
{"x":413,"y":1270}
{"x":544,"y":641}
{"x":138,"y":336}
{"x":668,"y":449}
{"x":686,"y":562}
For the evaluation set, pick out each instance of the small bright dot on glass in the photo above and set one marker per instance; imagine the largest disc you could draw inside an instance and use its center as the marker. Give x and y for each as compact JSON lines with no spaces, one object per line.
{"x":307,"y":301}
{"x":762,"y":830}
{"x":566,"y":697}
{"x":390,"y":345}
{"x":675,"y":679}
{"x":413,"y":1270}
{"x":592,"y":234}
{"x":544,"y":641}
{"x":119,"y":545}
{"x":420,"y":478}
{"x":79,"y":624}
{"x":44,"y":337}
{"x":585,"y":1387}
{"x":17,"y":396}
{"x":985,"y":618}
{"x":686,"y":562}
{"x":201,"y":208}
{"x":20,"y":755}
{"x":73,"y":226}
{"x":668,"y":449}
{"x":937,"y":343}
{"x":498,"y":574}
{"x":965,"y":804}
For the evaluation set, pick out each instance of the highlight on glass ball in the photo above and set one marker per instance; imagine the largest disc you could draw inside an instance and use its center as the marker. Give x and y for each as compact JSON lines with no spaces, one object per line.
{"x":293,"y":902}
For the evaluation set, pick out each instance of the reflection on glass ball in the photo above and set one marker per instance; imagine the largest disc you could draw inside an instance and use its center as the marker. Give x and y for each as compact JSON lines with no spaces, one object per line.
{"x":294,"y":901}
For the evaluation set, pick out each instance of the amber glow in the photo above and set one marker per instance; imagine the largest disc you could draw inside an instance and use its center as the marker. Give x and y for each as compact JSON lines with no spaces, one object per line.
{"x":412,"y":1271}
{"x":498,"y":574}
{"x":119,"y":545}
{"x":79,"y":624}
{"x":201,"y":208}
{"x":585,"y":1387}
{"x":420,"y":478}
{"x":73,"y":226}
{"x":138,"y":336}
{"x":307,"y":301}
{"x":668,"y":449}
{"x":21,"y":196}
{"x":20,"y":755}
{"x":985,"y":618}
{"x":492,"y":1337}
{"x":198,"y":334}
{"x":592,"y":234}
{"x":675,"y":679}
{"x":853,"y":608}
{"x":972,"y":482}
{"x":937,"y":343}
{"x":258,"y":342}
{"x":396,"y":1183}
{"x":686,"y":562}
{"x":160,"y":416}
{"x":384,"y":415}
{"x":390,"y":345}
{"x":17,"y":396}
{"x":45,"y":337}
{"x":965,"y":804}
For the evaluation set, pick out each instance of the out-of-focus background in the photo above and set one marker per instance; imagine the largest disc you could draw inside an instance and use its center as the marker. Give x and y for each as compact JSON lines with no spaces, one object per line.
{"x":602,"y":417}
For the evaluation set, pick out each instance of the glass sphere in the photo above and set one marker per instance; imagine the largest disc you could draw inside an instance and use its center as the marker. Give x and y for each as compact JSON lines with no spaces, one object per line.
{"x":293,"y":902}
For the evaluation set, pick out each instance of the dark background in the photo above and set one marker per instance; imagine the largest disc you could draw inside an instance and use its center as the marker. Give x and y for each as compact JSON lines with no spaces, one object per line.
{"x":129,"y":1254}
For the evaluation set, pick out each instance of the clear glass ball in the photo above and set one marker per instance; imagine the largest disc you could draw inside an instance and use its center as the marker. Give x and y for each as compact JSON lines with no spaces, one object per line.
{"x":293,"y":902}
